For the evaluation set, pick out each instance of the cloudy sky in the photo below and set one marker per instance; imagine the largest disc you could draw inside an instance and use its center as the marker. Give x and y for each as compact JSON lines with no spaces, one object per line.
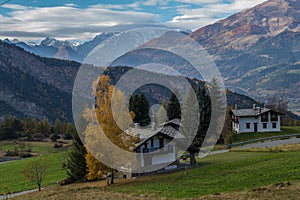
{"x":81,"y":20}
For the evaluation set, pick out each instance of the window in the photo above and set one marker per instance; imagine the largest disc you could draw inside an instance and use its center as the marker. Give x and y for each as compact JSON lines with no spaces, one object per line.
{"x":161,"y":142}
{"x":264,"y":117}
{"x":265,"y":125}
{"x":274,"y":125}
{"x":274,"y":117}
{"x":152,"y":143}
{"x":247,"y":125}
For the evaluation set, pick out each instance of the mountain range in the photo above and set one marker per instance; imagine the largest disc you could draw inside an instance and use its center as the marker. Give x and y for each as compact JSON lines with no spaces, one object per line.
{"x":257,"y":50}
{"x":41,"y":87}
{"x":65,"y":50}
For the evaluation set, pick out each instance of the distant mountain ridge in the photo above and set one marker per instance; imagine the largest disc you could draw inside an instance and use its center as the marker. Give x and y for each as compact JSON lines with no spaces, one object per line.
{"x":64,"y":50}
{"x":39,"y":87}
{"x":258,"y":50}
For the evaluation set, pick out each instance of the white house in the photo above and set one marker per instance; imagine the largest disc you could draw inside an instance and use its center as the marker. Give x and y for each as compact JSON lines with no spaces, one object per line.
{"x":159,"y":148}
{"x":256,"y":119}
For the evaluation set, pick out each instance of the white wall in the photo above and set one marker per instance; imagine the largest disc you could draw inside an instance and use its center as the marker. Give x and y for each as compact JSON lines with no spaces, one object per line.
{"x":164,"y":158}
{"x":243,"y":120}
{"x":269,"y":125}
{"x":158,"y":158}
{"x":242,"y":124}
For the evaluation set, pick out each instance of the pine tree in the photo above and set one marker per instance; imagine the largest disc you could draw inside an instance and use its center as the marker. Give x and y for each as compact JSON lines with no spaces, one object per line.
{"x":76,"y":162}
{"x":140,"y":106}
{"x":58,"y":127}
{"x":174,"y":109}
{"x":205,"y":115}
{"x":144,"y":111}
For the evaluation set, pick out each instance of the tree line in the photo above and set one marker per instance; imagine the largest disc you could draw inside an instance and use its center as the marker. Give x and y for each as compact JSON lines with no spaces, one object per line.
{"x":31,"y":129}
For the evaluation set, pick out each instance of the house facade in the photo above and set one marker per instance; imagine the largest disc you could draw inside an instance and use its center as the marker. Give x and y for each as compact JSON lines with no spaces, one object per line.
{"x":156,"y":151}
{"x":256,"y":119}
{"x":158,"y":148}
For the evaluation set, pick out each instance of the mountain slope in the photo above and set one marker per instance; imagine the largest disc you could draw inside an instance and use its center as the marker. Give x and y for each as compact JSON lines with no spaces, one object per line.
{"x":35,"y":86}
{"x":41,"y":87}
{"x":258,"y":50}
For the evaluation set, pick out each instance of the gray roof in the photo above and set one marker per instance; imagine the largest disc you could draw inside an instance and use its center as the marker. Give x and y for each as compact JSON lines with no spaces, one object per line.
{"x":249,"y":112}
{"x":173,"y":121}
{"x":146,"y":134}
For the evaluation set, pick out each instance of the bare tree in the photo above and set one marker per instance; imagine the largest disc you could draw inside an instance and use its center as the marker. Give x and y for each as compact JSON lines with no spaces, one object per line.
{"x":278,"y":103}
{"x":35,"y":170}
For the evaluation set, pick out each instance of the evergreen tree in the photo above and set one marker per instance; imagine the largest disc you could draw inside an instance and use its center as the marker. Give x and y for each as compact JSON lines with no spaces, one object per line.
{"x":76,"y":162}
{"x":174,"y":109}
{"x":205,"y":115}
{"x":140,"y":106}
{"x":58,"y":127}
{"x":144,"y":118}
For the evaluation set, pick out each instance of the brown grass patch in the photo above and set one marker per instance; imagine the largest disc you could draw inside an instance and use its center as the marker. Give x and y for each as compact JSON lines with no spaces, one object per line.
{"x":280,"y":148}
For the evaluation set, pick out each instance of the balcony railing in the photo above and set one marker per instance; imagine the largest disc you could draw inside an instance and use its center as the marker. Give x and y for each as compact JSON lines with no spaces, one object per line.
{"x":167,"y":149}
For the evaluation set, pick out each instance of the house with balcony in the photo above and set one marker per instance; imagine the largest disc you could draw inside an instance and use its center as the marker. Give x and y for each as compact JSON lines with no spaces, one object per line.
{"x":158,"y":147}
{"x":256,"y":119}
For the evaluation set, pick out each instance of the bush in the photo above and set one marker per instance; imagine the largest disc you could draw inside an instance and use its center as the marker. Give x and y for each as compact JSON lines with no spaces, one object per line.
{"x":57,"y":145}
{"x":25,"y":155}
{"x":54,"y":137}
{"x":12,"y":153}
{"x":68,"y":136}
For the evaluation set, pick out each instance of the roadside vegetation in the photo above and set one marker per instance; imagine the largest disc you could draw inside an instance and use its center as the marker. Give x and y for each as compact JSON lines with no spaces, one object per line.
{"x":280,"y":148}
{"x":286,"y":130}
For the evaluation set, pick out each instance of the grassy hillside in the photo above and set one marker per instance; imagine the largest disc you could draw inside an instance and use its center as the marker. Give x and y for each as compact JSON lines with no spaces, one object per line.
{"x":36,"y":147}
{"x":285,"y":130}
{"x":244,"y":173}
{"x":13,"y":179}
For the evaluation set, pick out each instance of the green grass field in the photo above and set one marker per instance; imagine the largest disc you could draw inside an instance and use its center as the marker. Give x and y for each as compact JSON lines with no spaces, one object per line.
{"x":12,"y":177}
{"x":36,"y":147}
{"x":223,"y":173}
{"x":233,"y":175}
{"x":234,"y":171}
{"x":252,"y":136}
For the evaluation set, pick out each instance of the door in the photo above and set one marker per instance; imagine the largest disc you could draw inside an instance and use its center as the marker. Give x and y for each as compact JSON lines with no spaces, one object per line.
{"x":255,"y":127}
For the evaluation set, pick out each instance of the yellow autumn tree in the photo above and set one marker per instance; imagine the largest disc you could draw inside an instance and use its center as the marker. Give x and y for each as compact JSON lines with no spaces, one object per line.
{"x":111,"y":114}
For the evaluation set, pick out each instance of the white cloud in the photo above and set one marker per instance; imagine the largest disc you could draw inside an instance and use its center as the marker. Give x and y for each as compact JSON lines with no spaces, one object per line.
{"x":209,"y":13}
{"x":15,"y":7}
{"x":155,"y":2}
{"x":67,"y":22}
{"x":73,"y":23}
{"x":198,"y":2}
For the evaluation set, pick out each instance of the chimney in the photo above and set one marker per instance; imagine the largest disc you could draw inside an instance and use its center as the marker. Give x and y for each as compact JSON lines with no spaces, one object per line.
{"x":254,"y":106}
{"x":153,"y":126}
{"x":138,"y":136}
{"x":235,"y":107}
{"x":136,"y":125}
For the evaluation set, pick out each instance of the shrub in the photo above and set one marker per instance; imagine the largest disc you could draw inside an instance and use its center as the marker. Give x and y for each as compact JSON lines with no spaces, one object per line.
{"x":25,"y":155}
{"x":57,"y":145}
{"x":12,"y":153}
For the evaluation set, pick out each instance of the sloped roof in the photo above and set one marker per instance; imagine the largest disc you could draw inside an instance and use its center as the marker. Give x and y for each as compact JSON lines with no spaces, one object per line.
{"x":173,"y":121}
{"x":146,"y":134}
{"x":251,"y":112}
